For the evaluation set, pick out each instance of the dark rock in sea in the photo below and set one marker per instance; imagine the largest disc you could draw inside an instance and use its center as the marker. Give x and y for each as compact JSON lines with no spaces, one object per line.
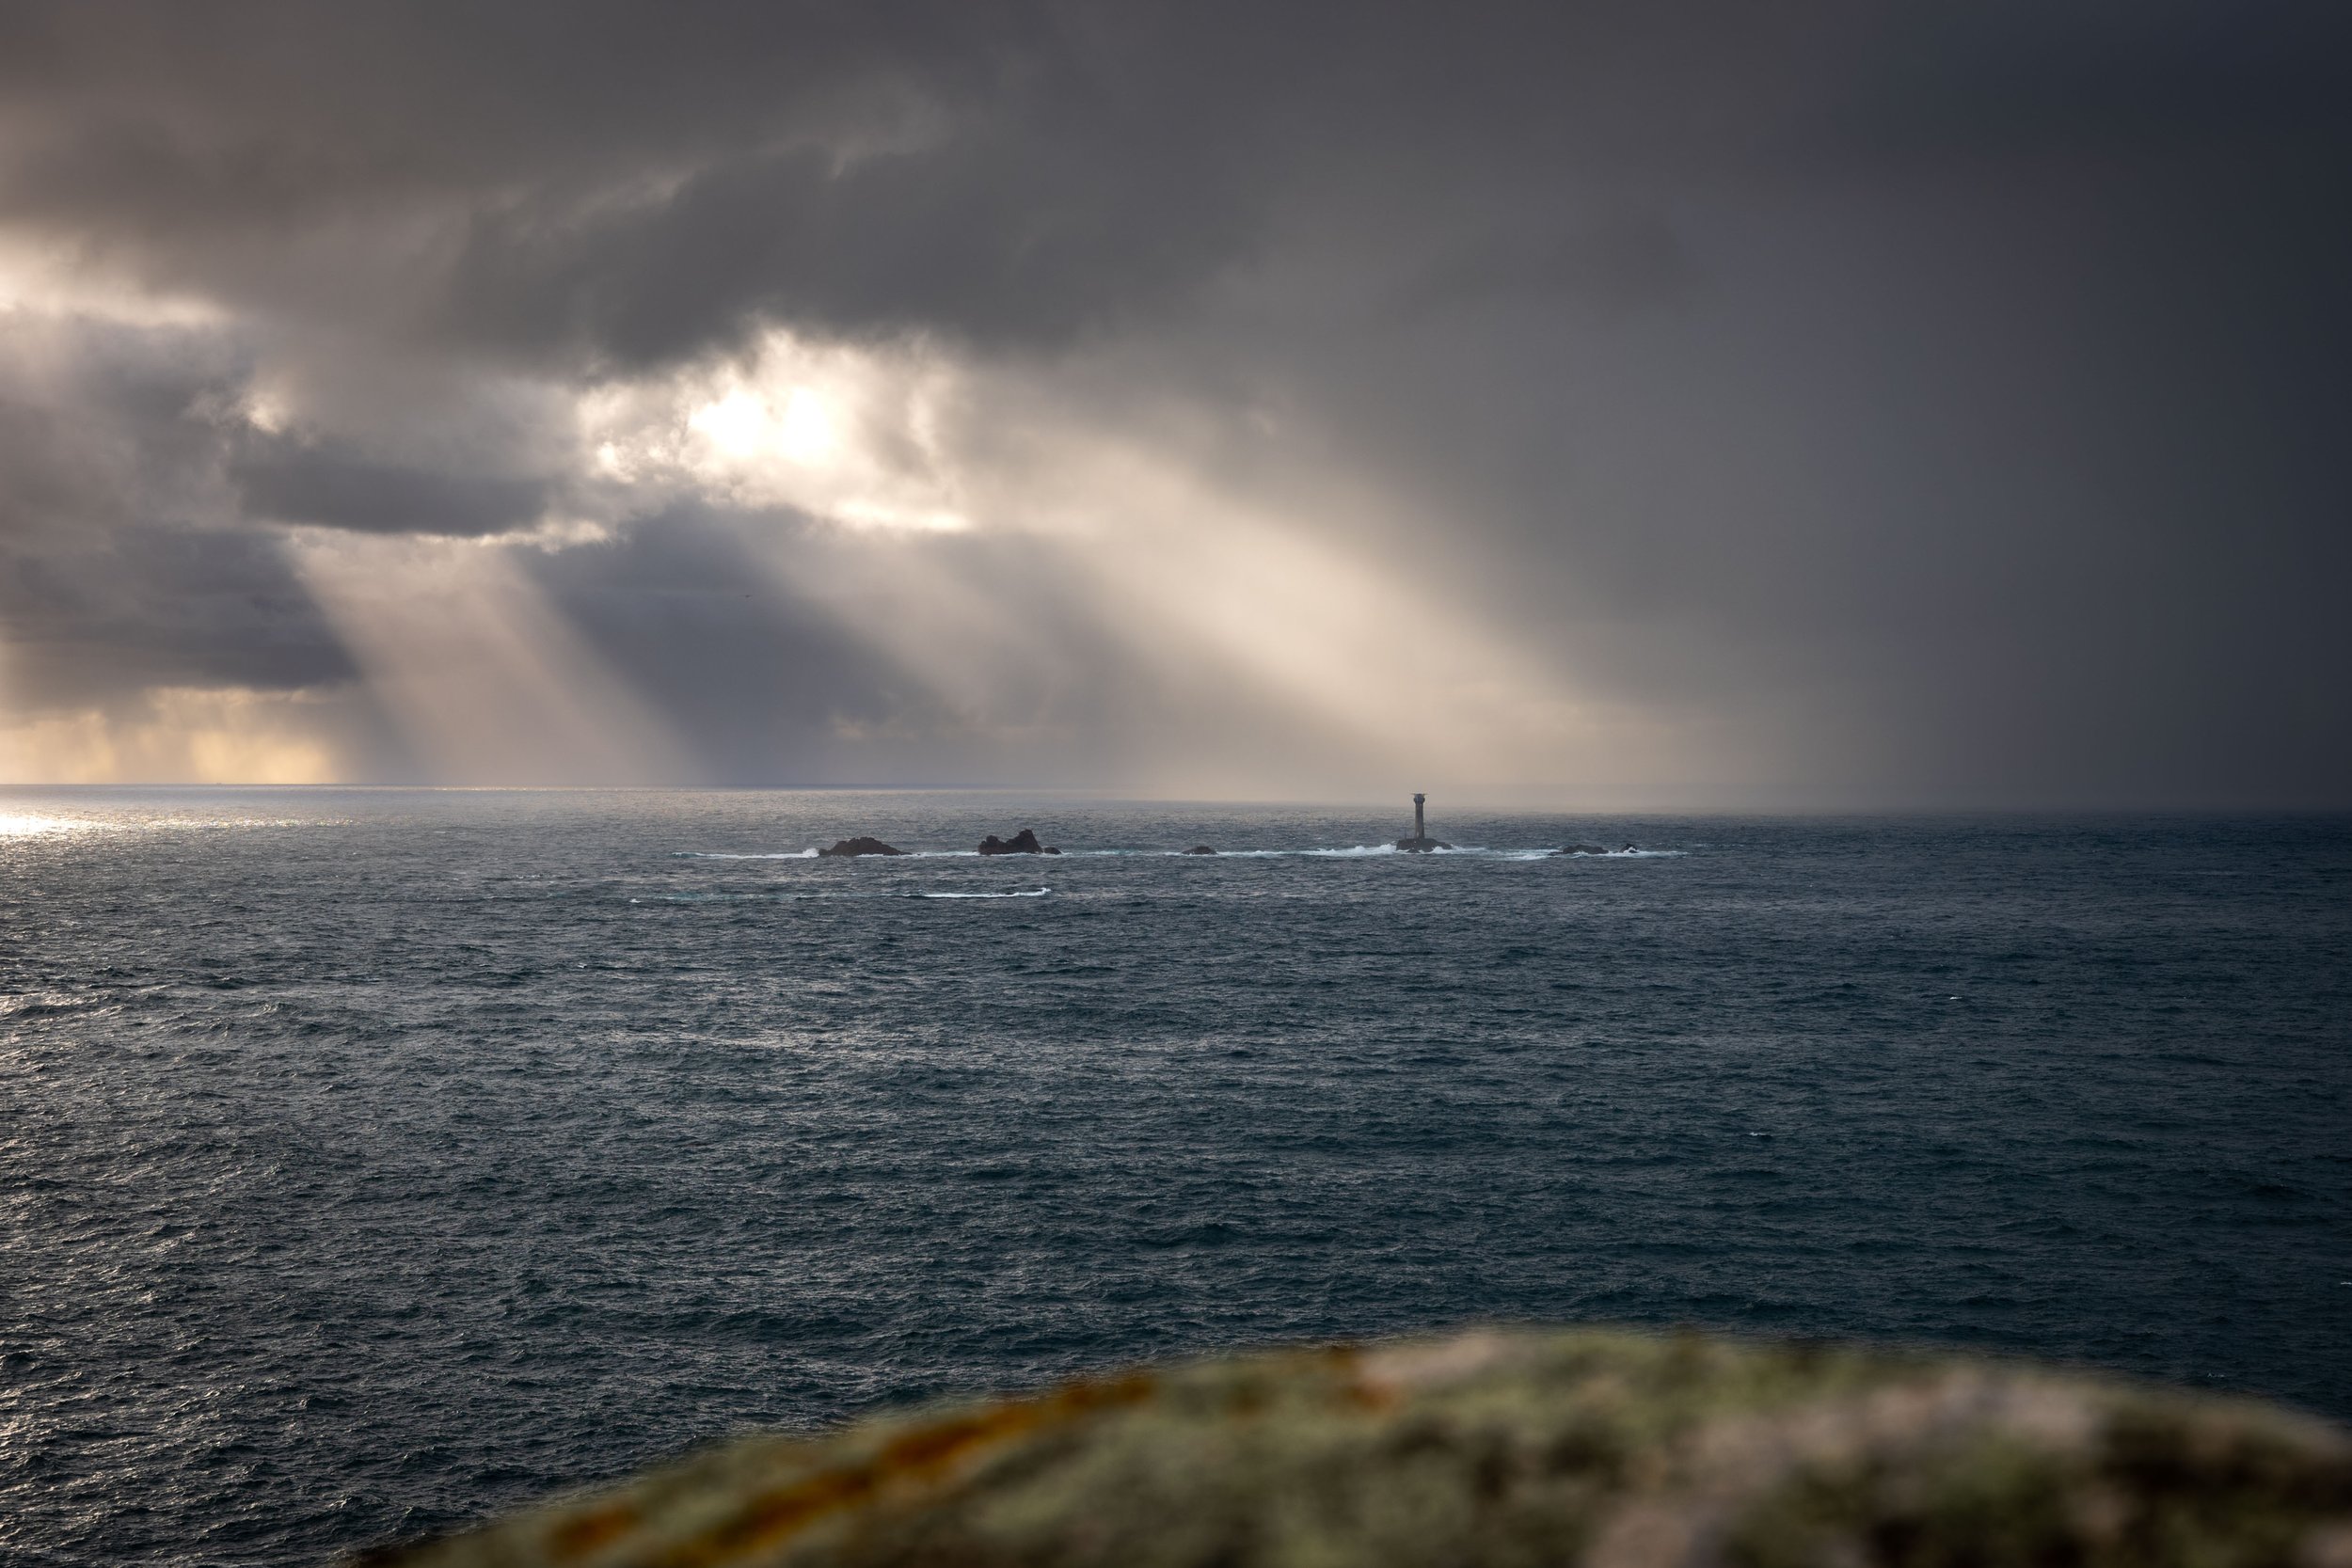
{"x":1200,"y":849}
{"x":862,"y":846}
{"x":1580,"y":849}
{"x":1606,"y":1449}
{"x":1421,"y":845}
{"x":1022,"y":843}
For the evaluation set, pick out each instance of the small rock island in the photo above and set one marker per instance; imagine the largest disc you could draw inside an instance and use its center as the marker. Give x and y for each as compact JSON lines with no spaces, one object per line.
{"x":1022,"y":843}
{"x":862,"y":846}
{"x":1420,"y":843}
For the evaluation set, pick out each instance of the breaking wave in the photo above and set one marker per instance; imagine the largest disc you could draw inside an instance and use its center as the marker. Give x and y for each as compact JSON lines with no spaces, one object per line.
{"x":716,"y":855}
{"x":1624,"y":854}
{"x":1027,"y":893}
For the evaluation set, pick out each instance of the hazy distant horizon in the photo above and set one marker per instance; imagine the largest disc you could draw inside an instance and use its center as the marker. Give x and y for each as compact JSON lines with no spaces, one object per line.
{"x":1457,"y":805}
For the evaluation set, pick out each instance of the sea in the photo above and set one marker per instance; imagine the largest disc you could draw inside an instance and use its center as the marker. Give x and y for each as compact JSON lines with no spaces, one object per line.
{"x":375,"y":1160}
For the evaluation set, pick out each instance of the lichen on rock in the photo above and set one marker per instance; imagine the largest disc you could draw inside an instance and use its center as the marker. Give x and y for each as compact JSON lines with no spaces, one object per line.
{"x":1614,"y":1449}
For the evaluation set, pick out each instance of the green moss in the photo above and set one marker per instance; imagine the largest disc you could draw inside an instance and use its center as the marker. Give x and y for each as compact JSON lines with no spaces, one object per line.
{"x":1617,"y":1449}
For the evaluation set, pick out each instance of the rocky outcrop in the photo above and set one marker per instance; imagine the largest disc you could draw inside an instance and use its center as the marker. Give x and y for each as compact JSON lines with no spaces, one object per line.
{"x":1200,"y":849}
{"x":862,"y":846}
{"x":1022,"y":843}
{"x":1599,"y":1448}
{"x":1580,"y":850}
{"x":1421,"y":845}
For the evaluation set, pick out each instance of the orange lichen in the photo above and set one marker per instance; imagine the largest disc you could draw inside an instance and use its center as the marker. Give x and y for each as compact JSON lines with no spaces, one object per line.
{"x":1618,"y":1450}
{"x":914,"y":1458}
{"x":578,"y":1537}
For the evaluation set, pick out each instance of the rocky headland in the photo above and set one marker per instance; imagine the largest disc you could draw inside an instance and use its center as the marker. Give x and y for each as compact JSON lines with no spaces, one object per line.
{"x":1608,"y":1449}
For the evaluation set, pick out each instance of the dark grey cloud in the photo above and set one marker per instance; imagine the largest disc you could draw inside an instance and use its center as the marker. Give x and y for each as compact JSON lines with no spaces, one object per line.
{"x":1951,"y":393}
{"x":1019,"y":235}
{"x":326,"y":484}
{"x":639,"y":184}
{"x":612,"y":180}
{"x":1626,"y":259}
{"x":155,"y":605}
{"x":1989,"y":85}
{"x":118,"y":569}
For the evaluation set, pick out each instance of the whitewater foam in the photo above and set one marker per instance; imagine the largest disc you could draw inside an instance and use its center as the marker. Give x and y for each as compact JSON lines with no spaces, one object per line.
{"x":1626,"y":854}
{"x":1029,"y":893}
{"x":717,"y":855}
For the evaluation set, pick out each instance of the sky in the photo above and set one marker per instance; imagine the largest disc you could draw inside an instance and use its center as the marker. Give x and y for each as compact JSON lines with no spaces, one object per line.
{"x":1643,"y":405}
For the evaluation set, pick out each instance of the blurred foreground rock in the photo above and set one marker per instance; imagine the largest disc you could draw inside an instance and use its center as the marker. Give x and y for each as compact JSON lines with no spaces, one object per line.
{"x":1611,"y":1449}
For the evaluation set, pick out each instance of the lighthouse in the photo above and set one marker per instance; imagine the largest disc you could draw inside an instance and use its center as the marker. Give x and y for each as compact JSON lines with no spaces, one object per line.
{"x":1420,"y":843}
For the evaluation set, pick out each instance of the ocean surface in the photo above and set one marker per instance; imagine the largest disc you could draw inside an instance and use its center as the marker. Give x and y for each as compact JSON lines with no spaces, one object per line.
{"x":373,"y":1161}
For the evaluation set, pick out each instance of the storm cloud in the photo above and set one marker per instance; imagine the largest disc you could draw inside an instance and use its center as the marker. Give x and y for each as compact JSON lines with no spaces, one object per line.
{"x":1668,"y":404}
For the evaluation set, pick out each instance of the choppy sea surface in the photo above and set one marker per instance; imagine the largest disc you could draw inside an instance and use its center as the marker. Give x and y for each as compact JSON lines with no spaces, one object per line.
{"x":372,"y":1160}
